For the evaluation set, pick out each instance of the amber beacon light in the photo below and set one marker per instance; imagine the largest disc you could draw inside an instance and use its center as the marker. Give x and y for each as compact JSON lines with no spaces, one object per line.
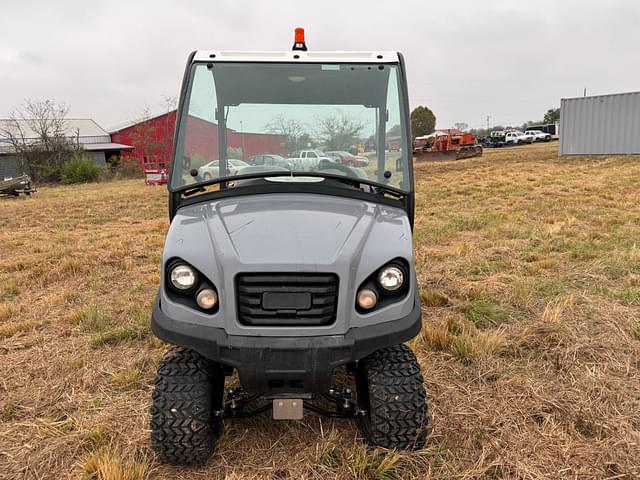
{"x":298,"y":41}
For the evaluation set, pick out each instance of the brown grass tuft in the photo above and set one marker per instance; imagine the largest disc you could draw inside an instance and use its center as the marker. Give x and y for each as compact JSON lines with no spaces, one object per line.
{"x":10,"y":290}
{"x":6,"y":311}
{"x":635,"y":331}
{"x":128,"y":379}
{"x":462,"y":339}
{"x":108,"y":464}
{"x":375,"y":464}
{"x":432,"y":298}
{"x":10,"y":329}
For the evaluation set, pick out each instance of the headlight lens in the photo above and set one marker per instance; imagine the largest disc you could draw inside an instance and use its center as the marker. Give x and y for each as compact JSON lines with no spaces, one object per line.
{"x":207,"y":298}
{"x":183,"y":277}
{"x":367,"y":299}
{"x":391,"y":278}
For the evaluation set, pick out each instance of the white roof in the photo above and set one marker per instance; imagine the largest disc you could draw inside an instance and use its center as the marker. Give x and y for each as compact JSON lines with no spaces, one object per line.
{"x":105,"y":146}
{"x":296,"y":56}
{"x":84,"y":130}
{"x":84,"y":127}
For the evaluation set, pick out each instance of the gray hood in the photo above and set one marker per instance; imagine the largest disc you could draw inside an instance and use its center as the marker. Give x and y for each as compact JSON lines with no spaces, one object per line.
{"x":289,"y":233}
{"x":286,"y":231}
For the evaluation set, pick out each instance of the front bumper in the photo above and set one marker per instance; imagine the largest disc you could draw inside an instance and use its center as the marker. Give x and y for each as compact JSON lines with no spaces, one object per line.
{"x":285,"y":364}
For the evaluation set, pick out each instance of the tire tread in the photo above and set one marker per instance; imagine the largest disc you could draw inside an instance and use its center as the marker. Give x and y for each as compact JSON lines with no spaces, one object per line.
{"x":182,"y":428}
{"x":397,"y":400}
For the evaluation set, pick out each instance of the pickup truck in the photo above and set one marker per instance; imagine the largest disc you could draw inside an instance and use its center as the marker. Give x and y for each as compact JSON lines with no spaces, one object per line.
{"x":517,"y":138}
{"x":538,"y":135}
{"x":308,"y":160}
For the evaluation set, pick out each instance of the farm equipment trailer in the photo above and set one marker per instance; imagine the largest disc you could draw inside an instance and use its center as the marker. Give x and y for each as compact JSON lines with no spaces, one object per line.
{"x":446,"y":146}
{"x":16,"y":186}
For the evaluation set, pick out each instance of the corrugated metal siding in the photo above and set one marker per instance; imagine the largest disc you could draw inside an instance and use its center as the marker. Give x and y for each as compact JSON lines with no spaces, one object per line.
{"x":94,"y":139}
{"x":10,"y":167}
{"x":605,"y":124}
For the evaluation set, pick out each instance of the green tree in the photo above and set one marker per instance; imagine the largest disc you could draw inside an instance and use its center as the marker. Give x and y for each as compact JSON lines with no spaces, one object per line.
{"x":394,"y":131}
{"x":423,"y":121}
{"x":552,"y":115}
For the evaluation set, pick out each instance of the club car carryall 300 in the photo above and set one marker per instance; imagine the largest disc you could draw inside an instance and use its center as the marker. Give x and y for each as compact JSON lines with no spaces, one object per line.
{"x":285,"y":274}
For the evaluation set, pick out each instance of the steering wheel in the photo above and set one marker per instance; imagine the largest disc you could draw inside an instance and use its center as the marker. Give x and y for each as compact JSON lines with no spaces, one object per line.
{"x":341,"y":169}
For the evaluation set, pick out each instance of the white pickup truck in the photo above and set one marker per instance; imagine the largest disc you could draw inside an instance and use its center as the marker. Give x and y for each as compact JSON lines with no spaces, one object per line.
{"x":517,"y":138}
{"x":308,"y":160}
{"x":538,"y":135}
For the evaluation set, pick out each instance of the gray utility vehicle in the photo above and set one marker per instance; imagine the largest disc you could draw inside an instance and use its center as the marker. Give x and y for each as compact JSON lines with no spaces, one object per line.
{"x":286,"y":276}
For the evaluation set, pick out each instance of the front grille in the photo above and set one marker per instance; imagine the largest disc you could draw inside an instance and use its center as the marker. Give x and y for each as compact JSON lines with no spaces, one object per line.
{"x":287,"y":299}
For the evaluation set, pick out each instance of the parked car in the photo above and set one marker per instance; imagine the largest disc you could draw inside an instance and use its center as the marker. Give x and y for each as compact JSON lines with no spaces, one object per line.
{"x":346,"y":158}
{"x":269,"y":159}
{"x":493,"y":142}
{"x":527,"y":138}
{"x":538,"y":135}
{"x":212,"y":169}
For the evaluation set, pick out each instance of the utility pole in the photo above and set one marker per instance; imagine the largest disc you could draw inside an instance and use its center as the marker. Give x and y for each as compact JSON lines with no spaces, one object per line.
{"x":242,"y":137}
{"x":488,"y":118}
{"x":585,"y":91}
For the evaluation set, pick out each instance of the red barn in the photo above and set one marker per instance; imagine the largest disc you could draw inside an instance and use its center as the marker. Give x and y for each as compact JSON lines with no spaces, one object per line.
{"x":152,"y":139}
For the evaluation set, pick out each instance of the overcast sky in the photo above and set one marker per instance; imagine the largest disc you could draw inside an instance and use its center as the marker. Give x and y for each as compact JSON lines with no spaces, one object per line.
{"x":109,"y":60}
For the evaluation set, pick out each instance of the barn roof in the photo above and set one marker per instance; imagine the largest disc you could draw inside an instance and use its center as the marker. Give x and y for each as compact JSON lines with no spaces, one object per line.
{"x":83,"y":127}
{"x":130,"y":123}
{"x":83,"y":130}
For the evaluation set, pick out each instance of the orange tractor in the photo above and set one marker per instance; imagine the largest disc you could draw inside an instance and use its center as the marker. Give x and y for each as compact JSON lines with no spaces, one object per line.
{"x":446,"y":145}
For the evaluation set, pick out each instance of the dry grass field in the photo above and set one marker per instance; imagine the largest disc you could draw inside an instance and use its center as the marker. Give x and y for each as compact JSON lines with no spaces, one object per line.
{"x":530,"y":276}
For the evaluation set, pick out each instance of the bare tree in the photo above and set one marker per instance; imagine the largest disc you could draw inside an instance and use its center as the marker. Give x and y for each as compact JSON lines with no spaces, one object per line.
{"x":145,"y":139}
{"x":339,"y":131}
{"x":37,"y":133}
{"x":152,"y":137}
{"x":291,"y":129}
{"x":170,"y":104}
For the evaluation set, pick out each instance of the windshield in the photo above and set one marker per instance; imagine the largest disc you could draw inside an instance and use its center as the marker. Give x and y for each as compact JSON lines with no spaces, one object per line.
{"x":329,"y":119}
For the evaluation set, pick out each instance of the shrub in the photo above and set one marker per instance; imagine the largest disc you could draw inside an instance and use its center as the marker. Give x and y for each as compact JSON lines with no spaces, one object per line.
{"x":124,"y":167}
{"x":80,"y":169}
{"x":233,"y":152}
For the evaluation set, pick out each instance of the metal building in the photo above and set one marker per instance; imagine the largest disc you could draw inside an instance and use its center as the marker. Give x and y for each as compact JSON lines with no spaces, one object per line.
{"x":600,"y":125}
{"x":82,"y":132}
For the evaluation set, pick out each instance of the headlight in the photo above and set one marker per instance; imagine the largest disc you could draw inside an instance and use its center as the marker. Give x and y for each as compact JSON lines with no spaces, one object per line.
{"x":391,"y":278}
{"x":367,"y":299}
{"x":183,"y":277}
{"x":207,"y":298}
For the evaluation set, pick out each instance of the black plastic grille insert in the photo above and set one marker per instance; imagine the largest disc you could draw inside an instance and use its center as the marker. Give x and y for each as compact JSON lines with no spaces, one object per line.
{"x":287,"y":299}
